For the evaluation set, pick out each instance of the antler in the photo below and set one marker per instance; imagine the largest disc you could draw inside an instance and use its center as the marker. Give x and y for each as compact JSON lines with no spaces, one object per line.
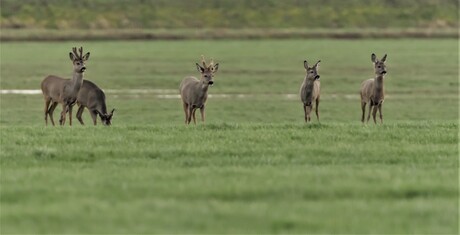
{"x":78,"y":56}
{"x":211,"y":63}
{"x":74,"y":50}
{"x":81,"y":53}
{"x":203,"y":61}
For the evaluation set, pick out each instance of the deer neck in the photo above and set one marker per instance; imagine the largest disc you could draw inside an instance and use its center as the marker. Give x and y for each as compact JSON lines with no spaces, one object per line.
{"x":378,"y":89}
{"x":103,"y":108}
{"x":309,"y":84}
{"x":307,"y":91}
{"x":204,"y":87}
{"x":77,"y":81}
{"x":378,"y":86}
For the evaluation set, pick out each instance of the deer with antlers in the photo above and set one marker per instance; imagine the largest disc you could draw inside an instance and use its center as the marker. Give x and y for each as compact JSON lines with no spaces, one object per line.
{"x":64,"y":91}
{"x":372,"y":91}
{"x":194,"y":92}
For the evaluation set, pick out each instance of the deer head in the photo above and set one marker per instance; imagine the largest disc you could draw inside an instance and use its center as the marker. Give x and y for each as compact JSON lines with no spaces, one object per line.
{"x":106,"y":118}
{"x":379,"y":65}
{"x":312,"y":72}
{"x":78,"y":60}
{"x":207,"y":71}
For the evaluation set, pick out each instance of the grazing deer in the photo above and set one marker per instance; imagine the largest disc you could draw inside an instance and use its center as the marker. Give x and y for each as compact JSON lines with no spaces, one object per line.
{"x":194,"y":92}
{"x":372,"y":91}
{"x":93,"y":98}
{"x":64,"y":91}
{"x":310,"y":90}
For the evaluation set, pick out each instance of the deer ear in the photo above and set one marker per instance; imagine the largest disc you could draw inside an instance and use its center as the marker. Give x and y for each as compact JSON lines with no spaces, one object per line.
{"x":111,"y":113}
{"x":305,"y":64}
{"x":373,"y":58}
{"x":72,"y":57}
{"x":199,"y":68}
{"x":86,"y":56}
{"x":317,"y":64}
{"x":384,"y":58}
{"x":215,"y":68}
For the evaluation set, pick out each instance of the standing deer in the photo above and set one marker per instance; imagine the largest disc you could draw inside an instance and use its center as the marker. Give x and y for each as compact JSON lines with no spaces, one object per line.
{"x":194,"y":92}
{"x":372,"y":91}
{"x":310,"y":90}
{"x":93,"y":98}
{"x":64,"y":91}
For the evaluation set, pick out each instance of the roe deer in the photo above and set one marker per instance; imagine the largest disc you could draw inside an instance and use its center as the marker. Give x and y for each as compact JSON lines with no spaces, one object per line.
{"x":372,"y":91}
{"x":194,"y":92}
{"x":64,"y":91}
{"x":310,"y":90}
{"x":93,"y":98}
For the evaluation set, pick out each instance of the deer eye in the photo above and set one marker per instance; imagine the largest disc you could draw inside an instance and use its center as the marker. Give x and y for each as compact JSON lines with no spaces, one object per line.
{"x":205,"y":75}
{"x":379,"y":66}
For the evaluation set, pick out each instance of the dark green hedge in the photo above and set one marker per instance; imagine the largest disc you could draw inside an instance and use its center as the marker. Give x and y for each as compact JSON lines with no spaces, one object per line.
{"x":109,"y":14}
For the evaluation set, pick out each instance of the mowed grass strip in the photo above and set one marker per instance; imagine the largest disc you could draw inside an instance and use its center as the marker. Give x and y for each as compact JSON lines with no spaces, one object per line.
{"x":140,"y":109}
{"x":231,"y":178}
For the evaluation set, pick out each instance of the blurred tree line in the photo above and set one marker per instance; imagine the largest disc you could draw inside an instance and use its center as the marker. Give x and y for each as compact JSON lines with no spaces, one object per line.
{"x":116,"y":14}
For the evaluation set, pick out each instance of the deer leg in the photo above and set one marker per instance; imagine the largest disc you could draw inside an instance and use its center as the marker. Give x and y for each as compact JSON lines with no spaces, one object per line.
{"x":374,"y":112}
{"x":47,"y":104}
{"x":316,"y":109}
{"x":380,"y":114}
{"x":193,"y":116}
{"x":202,"y":113}
{"x":309,"y":108}
{"x":70,"y":114}
{"x":305,"y":112}
{"x":63,"y":114}
{"x":79,"y":113}
{"x":51,"y":111}
{"x":190,"y":111}
{"x":369,"y":114}
{"x":363,"y":107}
{"x":93,"y":116}
{"x":186,"y":112}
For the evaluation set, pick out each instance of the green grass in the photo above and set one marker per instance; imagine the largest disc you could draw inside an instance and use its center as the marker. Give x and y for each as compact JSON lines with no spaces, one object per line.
{"x":231,"y":178}
{"x":255,"y":167}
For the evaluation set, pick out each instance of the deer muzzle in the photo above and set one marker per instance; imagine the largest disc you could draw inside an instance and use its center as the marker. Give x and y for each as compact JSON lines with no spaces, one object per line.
{"x":211,"y":83}
{"x":317,"y":77}
{"x":384,"y":72}
{"x":82,"y":69}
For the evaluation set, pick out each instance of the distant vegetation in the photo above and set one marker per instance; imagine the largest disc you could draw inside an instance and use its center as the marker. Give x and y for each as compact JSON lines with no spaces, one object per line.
{"x":168,"y":14}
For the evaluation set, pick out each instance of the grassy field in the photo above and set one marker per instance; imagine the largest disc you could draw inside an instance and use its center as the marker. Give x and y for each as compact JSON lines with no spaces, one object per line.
{"x":255,"y":167}
{"x":231,"y":178}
